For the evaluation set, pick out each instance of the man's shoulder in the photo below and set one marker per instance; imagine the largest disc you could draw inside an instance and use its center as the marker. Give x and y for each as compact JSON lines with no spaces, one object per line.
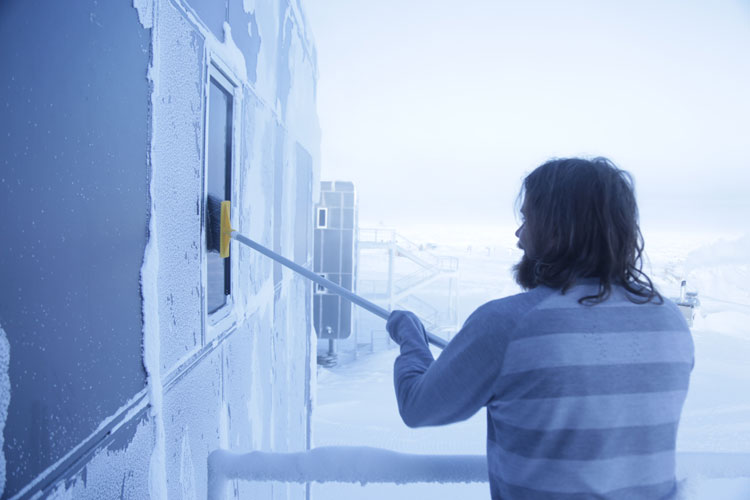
{"x":673,"y":310}
{"x":498,"y":318}
{"x":513,"y":306}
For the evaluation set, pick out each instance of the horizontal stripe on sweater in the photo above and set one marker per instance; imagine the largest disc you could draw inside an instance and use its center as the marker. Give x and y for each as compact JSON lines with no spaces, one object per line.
{"x":595,"y":380}
{"x":585,"y":444}
{"x":591,"y":412}
{"x":600,"y":320}
{"x":659,"y":491}
{"x":572,"y":476}
{"x":591,"y":349}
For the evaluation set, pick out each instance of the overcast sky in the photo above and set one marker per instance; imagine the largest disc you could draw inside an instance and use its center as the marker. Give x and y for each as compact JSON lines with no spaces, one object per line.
{"x":436,"y":110}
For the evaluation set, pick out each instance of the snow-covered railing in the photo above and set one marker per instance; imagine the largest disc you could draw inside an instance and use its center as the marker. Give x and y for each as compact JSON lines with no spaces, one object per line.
{"x":362,"y":464}
{"x":342,"y":464}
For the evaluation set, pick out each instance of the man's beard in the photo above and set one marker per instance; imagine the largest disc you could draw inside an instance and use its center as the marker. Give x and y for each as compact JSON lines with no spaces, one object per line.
{"x":523,"y":272}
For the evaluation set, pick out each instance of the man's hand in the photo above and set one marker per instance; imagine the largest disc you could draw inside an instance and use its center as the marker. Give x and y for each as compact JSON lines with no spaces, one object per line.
{"x":404,"y":326}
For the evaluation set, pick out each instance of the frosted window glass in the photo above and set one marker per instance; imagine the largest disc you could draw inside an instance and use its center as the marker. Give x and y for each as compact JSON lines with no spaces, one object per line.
{"x":219,"y":185}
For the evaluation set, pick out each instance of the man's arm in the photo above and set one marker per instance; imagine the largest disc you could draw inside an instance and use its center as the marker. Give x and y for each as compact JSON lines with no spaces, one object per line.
{"x":457,"y":384}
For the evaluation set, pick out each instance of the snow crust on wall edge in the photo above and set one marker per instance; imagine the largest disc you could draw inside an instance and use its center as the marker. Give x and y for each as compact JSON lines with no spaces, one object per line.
{"x":145,"y":9}
{"x":150,"y":294}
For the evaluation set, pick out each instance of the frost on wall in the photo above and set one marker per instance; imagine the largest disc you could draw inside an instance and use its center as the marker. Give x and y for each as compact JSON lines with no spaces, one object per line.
{"x":151,"y":357}
{"x":145,"y":9}
{"x":244,"y":387}
{"x":203,"y":387}
{"x":4,"y":399}
{"x":114,"y":470}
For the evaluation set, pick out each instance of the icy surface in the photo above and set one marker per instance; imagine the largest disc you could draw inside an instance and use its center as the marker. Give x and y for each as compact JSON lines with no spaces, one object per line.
{"x":4,"y":399}
{"x":356,"y":405}
{"x":228,"y":51}
{"x":145,"y":10}
{"x":157,"y":480}
{"x":248,"y":390}
{"x":112,"y":472}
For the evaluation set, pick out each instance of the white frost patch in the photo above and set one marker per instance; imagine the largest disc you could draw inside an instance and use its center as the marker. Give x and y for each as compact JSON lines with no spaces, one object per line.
{"x":224,"y":425}
{"x":228,"y":52}
{"x":251,"y":304}
{"x":157,"y":477}
{"x":313,"y":384}
{"x":268,"y":22}
{"x":259,"y":415}
{"x":187,"y":471}
{"x":249,"y":7}
{"x":61,"y":493}
{"x":157,"y":480}
{"x":145,"y":10}
{"x":129,"y":415}
{"x":4,"y":399}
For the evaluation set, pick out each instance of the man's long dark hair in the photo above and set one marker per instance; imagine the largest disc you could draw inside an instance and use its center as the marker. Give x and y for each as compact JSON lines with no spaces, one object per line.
{"x":581,"y":221}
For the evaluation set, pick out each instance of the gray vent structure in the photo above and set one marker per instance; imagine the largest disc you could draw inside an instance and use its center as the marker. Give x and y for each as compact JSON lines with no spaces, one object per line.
{"x":334,"y":257}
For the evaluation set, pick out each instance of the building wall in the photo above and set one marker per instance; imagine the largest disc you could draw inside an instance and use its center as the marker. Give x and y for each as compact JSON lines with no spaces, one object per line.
{"x":181,"y":386}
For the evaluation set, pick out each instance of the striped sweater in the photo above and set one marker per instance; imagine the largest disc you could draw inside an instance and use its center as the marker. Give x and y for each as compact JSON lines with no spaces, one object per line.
{"x":582,"y":401}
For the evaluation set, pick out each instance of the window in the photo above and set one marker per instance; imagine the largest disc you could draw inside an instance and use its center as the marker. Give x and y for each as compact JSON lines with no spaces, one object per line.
{"x":322,"y":221}
{"x":320,"y":288}
{"x":219,"y":180}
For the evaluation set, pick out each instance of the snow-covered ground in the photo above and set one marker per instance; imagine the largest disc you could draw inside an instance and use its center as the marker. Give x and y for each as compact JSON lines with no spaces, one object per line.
{"x":356,"y":405}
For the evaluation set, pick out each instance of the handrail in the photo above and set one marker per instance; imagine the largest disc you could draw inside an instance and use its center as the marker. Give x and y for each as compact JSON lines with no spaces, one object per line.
{"x":344,"y":464}
{"x":363,"y":464}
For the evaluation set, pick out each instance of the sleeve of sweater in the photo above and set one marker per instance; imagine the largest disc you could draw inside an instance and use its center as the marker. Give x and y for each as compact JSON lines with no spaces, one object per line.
{"x":460,"y":382}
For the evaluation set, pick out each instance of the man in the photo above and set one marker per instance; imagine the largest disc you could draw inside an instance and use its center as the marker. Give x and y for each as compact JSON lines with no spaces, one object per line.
{"x":585,"y":373}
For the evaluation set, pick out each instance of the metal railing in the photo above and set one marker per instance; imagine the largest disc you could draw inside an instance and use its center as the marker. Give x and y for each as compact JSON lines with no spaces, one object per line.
{"x":409,"y":248}
{"x":342,"y":464}
{"x":413,"y":280}
{"x":361,"y":464}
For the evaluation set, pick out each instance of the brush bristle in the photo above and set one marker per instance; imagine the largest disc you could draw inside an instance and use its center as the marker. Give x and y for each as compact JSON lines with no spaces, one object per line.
{"x":213,"y":224}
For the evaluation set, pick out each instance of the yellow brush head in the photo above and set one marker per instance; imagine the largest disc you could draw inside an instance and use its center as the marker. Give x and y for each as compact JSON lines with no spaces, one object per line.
{"x":226,"y":229}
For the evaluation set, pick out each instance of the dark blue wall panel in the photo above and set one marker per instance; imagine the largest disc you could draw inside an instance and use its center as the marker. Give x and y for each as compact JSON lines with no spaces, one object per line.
{"x":74,"y":202}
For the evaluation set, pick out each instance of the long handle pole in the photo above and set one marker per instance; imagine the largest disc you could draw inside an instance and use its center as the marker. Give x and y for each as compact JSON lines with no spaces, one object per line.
{"x":330,"y":285}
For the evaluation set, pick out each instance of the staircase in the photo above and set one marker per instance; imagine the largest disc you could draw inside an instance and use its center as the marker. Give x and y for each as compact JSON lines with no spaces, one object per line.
{"x":399,"y":291}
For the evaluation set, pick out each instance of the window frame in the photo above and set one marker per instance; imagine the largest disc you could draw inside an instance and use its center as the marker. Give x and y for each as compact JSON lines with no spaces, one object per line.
{"x":224,"y":318}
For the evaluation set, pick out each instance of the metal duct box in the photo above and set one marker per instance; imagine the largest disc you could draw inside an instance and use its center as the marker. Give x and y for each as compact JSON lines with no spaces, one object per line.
{"x":334,"y":257}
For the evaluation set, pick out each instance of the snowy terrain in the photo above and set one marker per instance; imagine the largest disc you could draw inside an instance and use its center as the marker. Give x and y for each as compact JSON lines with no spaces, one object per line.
{"x":356,"y":405}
